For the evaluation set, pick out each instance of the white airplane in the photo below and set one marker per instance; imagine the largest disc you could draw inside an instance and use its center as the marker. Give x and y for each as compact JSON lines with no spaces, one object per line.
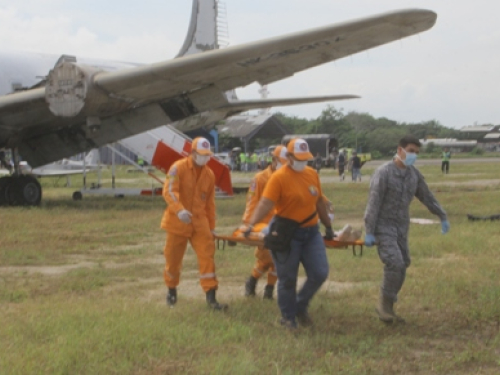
{"x":64,"y":167}
{"x":81,"y":104}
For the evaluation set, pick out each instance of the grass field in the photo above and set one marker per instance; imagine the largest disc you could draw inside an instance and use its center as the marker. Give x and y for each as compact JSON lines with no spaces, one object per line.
{"x":81,"y":291}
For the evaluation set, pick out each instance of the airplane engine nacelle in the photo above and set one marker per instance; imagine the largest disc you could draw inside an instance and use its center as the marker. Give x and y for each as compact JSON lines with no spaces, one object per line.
{"x":70,"y":91}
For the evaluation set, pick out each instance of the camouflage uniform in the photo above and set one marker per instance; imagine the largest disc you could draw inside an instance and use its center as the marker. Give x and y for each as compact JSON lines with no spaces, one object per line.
{"x":387,"y":218}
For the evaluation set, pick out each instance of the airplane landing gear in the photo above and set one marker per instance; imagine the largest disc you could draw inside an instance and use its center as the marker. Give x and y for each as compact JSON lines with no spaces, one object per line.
{"x":20,"y":191}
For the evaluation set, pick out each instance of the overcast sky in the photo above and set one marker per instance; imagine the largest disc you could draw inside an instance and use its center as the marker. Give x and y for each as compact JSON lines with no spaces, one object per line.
{"x":450,"y":73}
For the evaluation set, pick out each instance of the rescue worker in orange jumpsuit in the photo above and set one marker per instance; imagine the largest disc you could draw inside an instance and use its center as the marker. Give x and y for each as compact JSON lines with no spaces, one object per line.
{"x":190,"y":216}
{"x":264,"y":261}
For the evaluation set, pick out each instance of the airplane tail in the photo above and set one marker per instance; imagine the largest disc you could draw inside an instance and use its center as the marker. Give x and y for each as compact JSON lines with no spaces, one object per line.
{"x":202,"y":33}
{"x":92,"y":158}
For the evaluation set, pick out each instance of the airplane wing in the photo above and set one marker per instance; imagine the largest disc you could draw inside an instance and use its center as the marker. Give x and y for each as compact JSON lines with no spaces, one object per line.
{"x":264,"y":61}
{"x":82,"y":108}
{"x":245,"y":105}
{"x":56,"y":173}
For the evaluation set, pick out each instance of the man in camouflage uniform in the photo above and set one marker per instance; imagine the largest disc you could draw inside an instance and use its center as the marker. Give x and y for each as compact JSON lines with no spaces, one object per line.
{"x":387,"y":218}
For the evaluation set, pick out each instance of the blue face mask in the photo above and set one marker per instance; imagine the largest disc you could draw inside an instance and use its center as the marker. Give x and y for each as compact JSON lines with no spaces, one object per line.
{"x":411,"y":157}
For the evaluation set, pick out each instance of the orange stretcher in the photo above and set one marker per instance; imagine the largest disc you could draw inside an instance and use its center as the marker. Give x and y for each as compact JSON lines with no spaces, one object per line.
{"x":259,"y":241}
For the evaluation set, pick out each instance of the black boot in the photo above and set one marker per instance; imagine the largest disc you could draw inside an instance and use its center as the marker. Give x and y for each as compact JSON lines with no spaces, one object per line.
{"x":212,"y":302}
{"x":268,"y":292}
{"x":171,"y":297}
{"x":250,"y":285}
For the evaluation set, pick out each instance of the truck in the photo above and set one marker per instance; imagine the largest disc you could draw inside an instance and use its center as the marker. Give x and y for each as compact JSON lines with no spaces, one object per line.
{"x":324,"y":144}
{"x":327,"y":146}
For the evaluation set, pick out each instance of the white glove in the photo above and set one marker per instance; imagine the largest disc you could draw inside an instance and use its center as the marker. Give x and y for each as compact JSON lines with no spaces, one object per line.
{"x":184,"y":216}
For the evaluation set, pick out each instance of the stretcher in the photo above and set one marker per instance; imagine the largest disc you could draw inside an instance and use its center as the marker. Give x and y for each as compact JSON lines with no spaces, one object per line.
{"x":253,"y":240}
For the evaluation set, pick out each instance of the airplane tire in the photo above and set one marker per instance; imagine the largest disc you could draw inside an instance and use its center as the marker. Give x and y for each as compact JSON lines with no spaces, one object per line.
{"x":24,"y":191}
{"x":77,"y":196}
{"x":4,"y":182}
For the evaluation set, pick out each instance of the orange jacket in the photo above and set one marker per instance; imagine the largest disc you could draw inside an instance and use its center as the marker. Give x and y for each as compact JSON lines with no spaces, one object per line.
{"x":254,"y":194}
{"x":183,"y":191}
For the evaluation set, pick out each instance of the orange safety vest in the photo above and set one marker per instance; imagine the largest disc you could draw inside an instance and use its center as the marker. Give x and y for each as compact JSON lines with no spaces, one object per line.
{"x":181,"y":191}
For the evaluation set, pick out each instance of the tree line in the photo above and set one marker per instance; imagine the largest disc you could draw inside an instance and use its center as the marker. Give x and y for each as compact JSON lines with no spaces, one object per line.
{"x":363,"y":131}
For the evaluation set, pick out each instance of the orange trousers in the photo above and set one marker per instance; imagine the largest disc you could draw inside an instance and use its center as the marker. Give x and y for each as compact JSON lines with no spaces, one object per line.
{"x":264,"y":264}
{"x":204,"y":247}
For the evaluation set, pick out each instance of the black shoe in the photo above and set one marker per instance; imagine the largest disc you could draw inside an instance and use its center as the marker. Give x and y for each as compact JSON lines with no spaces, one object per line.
{"x":212,"y":302}
{"x":268,"y":292}
{"x":304,"y":319}
{"x":289,"y":324}
{"x":171,"y":297}
{"x":250,"y":285}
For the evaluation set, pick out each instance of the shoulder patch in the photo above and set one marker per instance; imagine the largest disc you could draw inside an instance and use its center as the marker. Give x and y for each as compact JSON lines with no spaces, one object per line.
{"x":173,"y":171}
{"x":313,"y":190}
{"x":253,"y":186}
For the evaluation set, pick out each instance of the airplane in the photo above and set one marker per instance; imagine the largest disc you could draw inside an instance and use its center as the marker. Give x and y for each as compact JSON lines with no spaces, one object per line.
{"x":64,"y":167}
{"x":81,"y":104}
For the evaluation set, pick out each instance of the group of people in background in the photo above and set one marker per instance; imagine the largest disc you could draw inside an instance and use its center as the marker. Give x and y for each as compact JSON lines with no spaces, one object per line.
{"x":353,"y":164}
{"x":249,"y":162}
{"x":288,"y":193}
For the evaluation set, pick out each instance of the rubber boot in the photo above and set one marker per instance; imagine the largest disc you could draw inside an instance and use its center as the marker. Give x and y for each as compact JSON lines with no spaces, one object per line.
{"x":212,"y":302}
{"x":268,"y":292}
{"x":385,"y":309}
{"x":171,"y":297}
{"x":250,"y":285}
{"x":304,"y":319}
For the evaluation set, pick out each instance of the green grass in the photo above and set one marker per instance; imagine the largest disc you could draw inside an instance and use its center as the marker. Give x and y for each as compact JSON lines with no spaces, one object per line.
{"x":81,"y":292}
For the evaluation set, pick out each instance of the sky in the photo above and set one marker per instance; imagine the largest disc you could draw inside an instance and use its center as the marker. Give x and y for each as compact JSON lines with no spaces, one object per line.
{"x":450,"y":73}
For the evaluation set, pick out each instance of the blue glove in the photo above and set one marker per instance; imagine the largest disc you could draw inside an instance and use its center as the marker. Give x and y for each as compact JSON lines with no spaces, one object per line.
{"x":369,"y":240}
{"x":445,"y":226}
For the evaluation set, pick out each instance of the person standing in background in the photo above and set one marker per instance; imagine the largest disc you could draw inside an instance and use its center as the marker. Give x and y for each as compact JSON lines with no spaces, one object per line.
{"x":445,"y":160}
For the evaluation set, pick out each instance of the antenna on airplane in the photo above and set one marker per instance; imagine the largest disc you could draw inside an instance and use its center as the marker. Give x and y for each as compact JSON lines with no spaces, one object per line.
{"x":264,"y":93}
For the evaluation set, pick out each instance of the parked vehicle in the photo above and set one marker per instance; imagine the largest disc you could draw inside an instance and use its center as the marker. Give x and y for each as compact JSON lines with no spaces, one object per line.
{"x":327,"y":146}
{"x":324,"y":144}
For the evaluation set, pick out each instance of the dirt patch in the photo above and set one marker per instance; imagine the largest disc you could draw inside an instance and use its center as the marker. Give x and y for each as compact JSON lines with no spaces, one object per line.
{"x":63,"y":269}
{"x":445,"y":258}
{"x":47,"y":270}
{"x":232,"y":289}
{"x":467,"y":183}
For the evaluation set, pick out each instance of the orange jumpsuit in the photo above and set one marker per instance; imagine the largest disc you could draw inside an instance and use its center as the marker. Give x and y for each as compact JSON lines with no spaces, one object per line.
{"x":264,"y":259}
{"x":189,"y":187}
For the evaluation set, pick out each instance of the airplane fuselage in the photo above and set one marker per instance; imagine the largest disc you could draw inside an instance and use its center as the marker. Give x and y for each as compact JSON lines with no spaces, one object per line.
{"x":24,"y":70}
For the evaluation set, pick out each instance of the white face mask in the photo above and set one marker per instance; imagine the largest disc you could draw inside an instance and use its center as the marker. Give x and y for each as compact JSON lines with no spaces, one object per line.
{"x":331,"y":216}
{"x":299,"y":166}
{"x":201,"y":160}
{"x":278,"y":166}
{"x":410,"y":159}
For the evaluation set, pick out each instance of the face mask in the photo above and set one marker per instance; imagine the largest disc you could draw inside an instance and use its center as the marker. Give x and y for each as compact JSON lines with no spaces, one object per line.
{"x":299,"y":166}
{"x":331,"y":216}
{"x":410,"y":159}
{"x":278,"y":166}
{"x":201,"y":160}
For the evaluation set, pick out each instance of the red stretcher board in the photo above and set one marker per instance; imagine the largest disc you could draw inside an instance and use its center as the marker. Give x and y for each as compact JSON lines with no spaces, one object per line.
{"x":257,"y":241}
